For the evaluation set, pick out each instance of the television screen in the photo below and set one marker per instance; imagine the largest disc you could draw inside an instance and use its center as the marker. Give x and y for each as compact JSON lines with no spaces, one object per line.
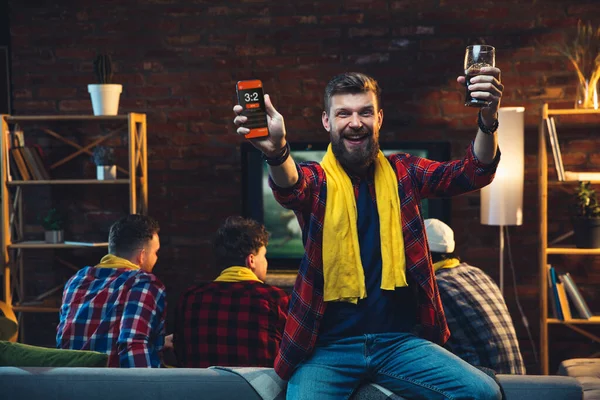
{"x":285,"y":247}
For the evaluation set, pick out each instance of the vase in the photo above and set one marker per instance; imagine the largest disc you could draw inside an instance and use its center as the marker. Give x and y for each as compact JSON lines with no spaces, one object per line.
{"x":587,"y":94}
{"x":106,"y":172}
{"x":587,"y":232}
{"x":54,"y":236}
{"x":105,"y":98}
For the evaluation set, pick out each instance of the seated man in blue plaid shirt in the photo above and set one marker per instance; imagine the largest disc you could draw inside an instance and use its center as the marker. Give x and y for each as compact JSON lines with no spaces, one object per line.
{"x":118,"y":306}
{"x":481,"y":329}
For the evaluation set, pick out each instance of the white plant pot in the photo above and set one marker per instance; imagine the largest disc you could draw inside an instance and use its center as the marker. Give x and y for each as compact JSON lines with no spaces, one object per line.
{"x":106,"y":172}
{"x":54,"y":236}
{"x":105,"y":98}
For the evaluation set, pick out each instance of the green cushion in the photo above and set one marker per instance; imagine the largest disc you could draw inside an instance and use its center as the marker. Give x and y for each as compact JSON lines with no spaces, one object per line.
{"x":8,"y":328}
{"x":23,"y":355}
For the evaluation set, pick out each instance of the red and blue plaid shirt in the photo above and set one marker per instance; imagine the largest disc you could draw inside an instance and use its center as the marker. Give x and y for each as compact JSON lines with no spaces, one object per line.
{"x":230,"y":324}
{"x":117,"y":311}
{"x":418,"y":178}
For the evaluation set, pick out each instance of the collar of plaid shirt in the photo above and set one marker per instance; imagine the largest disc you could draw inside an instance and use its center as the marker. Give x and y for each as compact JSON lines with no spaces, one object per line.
{"x":237,"y":274}
{"x":112,"y":261}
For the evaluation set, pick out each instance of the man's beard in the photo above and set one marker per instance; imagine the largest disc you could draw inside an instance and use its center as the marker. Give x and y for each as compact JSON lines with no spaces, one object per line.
{"x":360,"y":158}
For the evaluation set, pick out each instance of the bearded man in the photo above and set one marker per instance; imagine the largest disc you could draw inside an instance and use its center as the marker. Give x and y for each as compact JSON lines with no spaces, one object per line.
{"x":365,"y":306}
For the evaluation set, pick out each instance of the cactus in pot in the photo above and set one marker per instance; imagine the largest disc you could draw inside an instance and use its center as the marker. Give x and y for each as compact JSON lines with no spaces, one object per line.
{"x":103,"y":68}
{"x":105,"y":95}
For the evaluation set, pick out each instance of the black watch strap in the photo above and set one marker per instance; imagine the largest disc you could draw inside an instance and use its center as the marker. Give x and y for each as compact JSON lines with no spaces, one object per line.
{"x":489,"y":131}
{"x":279,"y":159}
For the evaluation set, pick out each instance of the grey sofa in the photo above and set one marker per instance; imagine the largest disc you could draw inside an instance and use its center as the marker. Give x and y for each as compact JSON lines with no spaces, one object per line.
{"x":206,"y":384}
{"x":587,"y":372}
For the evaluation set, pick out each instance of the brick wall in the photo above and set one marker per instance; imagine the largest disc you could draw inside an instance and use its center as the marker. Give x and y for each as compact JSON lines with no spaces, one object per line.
{"x":179,"y":60}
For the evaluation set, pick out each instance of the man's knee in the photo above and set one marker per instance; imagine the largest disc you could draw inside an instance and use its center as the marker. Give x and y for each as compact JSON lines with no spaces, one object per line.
{"x":484,"y":389}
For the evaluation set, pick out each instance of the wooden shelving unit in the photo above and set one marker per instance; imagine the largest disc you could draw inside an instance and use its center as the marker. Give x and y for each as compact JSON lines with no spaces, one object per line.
{"x":546,"y":249}
{"x":70,"y":182}
{"x":35,"y":244}
{"x":12,"y":197}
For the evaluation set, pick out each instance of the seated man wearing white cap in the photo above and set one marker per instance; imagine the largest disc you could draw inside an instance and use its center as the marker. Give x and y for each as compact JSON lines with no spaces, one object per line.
{"x":481,"y":329}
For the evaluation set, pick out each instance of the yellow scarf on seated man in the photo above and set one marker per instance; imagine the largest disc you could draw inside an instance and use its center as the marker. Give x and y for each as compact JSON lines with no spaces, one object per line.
{"x":112,"y":261}
{"x":342,"y":267}
{"x":446,"y":264}
{"x":237,"y":274}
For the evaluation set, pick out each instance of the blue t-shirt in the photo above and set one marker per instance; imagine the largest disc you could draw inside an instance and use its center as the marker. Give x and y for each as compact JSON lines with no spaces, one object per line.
{"x":383,"y":311}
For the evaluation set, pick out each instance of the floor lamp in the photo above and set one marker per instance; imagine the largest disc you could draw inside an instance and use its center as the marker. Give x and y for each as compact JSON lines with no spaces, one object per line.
{"x":502,"y":200}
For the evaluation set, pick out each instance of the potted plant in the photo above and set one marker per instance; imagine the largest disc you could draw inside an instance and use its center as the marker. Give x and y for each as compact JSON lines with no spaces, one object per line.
{"x":105,"y":94}
{"x":104,"y":158}
{"x":586,"y":219}
{"x":583,"y":51}
{"x":53,"y":224}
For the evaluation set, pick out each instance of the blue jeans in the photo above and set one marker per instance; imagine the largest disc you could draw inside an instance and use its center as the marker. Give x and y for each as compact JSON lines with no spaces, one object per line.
{"x":400,"y":362}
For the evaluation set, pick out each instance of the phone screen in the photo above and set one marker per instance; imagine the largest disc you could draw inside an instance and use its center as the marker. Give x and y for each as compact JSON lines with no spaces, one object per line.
{"x":251,"y":98}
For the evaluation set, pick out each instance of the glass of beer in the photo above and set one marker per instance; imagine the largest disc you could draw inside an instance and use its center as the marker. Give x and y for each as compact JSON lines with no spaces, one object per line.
{"x":477,"y":57}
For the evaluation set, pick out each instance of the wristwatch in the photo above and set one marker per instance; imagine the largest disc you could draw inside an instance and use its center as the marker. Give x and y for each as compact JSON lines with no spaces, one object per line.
{"x":489,"y":131}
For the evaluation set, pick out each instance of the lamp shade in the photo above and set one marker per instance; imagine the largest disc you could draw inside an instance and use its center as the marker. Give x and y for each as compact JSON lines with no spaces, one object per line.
{"x":502,"y":200}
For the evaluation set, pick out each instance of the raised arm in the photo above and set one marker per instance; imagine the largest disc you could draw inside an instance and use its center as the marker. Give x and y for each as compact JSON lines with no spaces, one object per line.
{"x":486,"y":86}
{"x":274,"y":146}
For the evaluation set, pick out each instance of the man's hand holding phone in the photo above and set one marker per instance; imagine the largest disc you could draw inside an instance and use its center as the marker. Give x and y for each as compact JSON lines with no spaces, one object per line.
{"x":270,"y":139}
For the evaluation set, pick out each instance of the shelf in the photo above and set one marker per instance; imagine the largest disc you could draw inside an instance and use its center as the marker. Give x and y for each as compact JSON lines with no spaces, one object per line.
{"x":571,"y":182}
{"x":49,"y":305}
{"x":34,"y":244}
{"x":557,"y":246}
{"x":35,"y":309}
{"x":45,"y":118}
{"x":572,"y":250}
{"x":70,"y":182}
{"x":572,"y":111}
{"x":592,"y":321}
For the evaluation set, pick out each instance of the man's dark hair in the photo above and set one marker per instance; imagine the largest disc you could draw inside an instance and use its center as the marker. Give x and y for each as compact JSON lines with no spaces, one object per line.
{"x":131,"y":233}
{"x":350,"y":83}
{"x":237,"y":238}
{"x":435,"y":257}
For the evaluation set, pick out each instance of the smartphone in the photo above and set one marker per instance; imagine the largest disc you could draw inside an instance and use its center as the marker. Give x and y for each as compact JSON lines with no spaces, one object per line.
{"x":252,"y":98}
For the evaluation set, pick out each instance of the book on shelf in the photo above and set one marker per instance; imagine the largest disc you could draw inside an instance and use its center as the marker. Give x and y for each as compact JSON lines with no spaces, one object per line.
{"x":551,"y":292}
{"x":564,"y":302}
{"x":575,"y":296}
{"x":558,"y":163}
{"x":28,"y":156}
{"x":554,"y":292}
{"x":38,"y":155}
{"x":20,"y":163}
{"x":29,"y":163}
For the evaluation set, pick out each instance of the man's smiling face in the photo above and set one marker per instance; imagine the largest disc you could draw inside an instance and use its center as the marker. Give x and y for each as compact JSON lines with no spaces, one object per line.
{"x":353,"y":122}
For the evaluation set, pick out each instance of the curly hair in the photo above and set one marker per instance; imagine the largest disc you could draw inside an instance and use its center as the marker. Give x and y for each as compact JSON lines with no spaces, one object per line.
{"x":236,"y":239}
{"x":350,"y":83}
{"x":131,"y":233}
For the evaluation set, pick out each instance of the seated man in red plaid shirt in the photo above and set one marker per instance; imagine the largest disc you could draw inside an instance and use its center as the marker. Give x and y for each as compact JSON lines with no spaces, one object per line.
{"x":118,"y":306}
{"x":237,"y":320}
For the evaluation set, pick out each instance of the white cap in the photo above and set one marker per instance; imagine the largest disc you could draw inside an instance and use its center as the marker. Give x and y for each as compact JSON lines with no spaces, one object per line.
{"x":439,"y":235}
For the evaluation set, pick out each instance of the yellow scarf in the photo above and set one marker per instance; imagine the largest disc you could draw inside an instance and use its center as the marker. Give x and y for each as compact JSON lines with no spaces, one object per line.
{"x":237,"y":274}
{"x":446,"y":264}
{"x":342,"y":268}
{"x":112,"y":261}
